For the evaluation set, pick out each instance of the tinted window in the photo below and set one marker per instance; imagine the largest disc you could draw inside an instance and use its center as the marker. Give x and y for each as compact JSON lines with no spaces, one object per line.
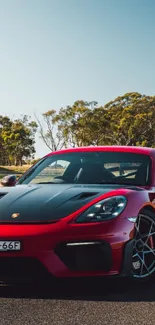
{"x":91,"y":168}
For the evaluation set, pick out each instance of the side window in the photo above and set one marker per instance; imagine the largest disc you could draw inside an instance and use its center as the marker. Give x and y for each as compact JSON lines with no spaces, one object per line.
{"x":127,"y":169}
{"x":58,"y":168}
{"x":55,"y":169}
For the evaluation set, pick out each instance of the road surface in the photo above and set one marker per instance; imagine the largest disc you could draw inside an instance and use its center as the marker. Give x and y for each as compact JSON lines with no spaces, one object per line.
{"x":90,"y":302}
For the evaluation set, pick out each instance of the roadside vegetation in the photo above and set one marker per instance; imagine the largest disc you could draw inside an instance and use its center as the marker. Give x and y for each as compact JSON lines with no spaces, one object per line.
{"x":16,"y":170}
{"x":127,"y":120}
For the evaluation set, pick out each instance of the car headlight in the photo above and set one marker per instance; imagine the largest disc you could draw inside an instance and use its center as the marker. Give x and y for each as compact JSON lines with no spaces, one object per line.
{"x":103,"y":210}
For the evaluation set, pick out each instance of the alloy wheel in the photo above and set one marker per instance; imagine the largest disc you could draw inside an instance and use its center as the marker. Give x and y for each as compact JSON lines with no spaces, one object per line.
{"x":143,"y":261}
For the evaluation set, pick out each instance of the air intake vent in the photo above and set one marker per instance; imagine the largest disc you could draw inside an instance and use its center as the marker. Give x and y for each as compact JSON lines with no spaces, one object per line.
{"x":2,"y":194}
{"x":84,"y":196}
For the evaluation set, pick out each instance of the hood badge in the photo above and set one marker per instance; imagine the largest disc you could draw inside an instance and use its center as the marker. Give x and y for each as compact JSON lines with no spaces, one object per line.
{"x":15,"y":215}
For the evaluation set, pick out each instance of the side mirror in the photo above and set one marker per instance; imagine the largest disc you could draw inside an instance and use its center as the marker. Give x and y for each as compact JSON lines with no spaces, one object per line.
{"x":9,"y":180}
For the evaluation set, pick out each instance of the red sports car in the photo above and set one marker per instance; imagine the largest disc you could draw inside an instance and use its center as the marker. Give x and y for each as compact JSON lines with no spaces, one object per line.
{"x":80,"y":212}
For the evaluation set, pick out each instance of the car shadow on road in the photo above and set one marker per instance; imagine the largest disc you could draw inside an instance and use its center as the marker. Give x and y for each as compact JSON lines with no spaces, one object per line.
{"x":86,"y":290}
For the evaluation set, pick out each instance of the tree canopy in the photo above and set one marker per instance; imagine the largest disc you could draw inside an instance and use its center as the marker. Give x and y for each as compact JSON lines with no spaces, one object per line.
{"x":127,"y":120}
{"x":17,"y":140}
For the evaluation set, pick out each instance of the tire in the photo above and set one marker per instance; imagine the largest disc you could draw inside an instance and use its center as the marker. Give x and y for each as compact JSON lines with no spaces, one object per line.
{"x":143,"y":261}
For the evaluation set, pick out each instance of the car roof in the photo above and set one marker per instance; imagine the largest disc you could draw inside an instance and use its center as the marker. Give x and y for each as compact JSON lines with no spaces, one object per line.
{"x":132,"y":149}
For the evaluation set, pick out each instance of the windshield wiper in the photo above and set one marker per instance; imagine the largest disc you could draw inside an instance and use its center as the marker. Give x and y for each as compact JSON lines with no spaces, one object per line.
{"x":52,"y":182}
{"x":107,"y":182}
{"x":111,"y":183}
{"x":115,"y":183}
{"x":46,"y":183}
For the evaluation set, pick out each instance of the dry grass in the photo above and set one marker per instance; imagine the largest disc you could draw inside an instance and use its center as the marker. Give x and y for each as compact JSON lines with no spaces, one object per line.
{"x":17,"y":170}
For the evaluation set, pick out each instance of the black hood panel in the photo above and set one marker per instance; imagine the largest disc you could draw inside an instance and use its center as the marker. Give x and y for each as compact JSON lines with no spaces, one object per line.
{"x":45,"y":203}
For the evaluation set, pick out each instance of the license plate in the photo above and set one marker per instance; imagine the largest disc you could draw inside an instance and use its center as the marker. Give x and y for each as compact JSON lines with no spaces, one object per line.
{"x":10,"y":246}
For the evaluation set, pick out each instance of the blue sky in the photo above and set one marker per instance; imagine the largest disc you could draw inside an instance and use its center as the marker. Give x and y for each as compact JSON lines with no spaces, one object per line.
{"x":53,"y":52}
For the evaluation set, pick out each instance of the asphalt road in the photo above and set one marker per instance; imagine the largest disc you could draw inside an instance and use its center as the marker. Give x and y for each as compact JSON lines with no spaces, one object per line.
{"x":112,"y":302}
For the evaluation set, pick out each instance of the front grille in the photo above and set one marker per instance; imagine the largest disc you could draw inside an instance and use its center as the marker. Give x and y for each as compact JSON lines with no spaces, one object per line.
{"x":19,"y":267}
{"x":96,"y":257}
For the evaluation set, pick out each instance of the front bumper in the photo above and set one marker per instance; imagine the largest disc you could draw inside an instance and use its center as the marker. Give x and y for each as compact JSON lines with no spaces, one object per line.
{"x":66,"y":252}
{"x":77,"y":261}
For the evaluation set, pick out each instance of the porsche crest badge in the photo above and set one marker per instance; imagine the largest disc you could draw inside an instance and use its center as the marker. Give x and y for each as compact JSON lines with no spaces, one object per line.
{"x":15,"y":215}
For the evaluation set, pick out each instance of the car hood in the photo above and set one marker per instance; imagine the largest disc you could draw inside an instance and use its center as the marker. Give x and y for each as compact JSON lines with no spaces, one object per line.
{"x":46,"y":203}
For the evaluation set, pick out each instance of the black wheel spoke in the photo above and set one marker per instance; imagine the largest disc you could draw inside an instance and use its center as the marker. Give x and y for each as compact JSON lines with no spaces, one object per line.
{"x":137,"y":226}
{"x":150,"y":250}
{"x":144,"y":247}
{"x":146,"y":237}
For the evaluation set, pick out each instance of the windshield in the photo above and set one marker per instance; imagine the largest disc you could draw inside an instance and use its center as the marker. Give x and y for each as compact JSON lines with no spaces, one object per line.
{"x":90,"y":168}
